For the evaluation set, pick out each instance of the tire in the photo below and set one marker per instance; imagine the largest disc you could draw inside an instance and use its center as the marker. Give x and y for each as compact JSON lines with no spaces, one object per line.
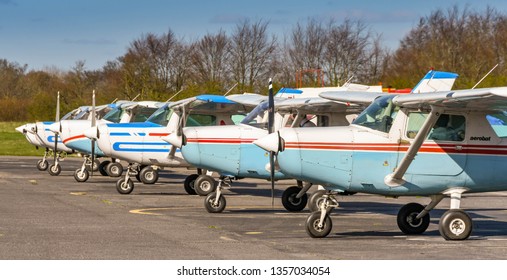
{"x":124,"y":187}
{"x":81,"y":176}
{"x":209,"y":203}
{"x":148,"y":175}
{"x":189,"y":184}
{"x":290,"y":202}
{"x":103,"y":168}
{"x":54,"y":170}
{"x":315,"y":200}
{"x":312,"y":225}
{"x":455,"y":224}
{"x":42,"y":165}
{"x":407,"y":222}
{"x":204,"y":185}
{"x":114,"y":169}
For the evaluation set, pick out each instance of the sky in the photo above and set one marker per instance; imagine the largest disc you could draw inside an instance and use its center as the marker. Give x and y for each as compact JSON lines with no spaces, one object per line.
{"x":58,"y":33}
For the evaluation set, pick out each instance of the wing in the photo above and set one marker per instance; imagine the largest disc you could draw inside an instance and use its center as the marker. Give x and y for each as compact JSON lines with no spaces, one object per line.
{"x":249,"y":99}
{"x":472,"y":99}
{"x":315,"y":105}
{"x":352,"y":97}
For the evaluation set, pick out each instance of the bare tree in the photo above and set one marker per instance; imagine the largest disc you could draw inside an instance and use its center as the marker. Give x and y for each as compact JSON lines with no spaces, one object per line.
{"x":251,"y":55}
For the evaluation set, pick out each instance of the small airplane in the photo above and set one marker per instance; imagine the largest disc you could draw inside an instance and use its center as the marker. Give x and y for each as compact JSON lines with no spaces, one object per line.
{"x":140,"y":143}
{"x":39,"y":135}
{"x":72,"y":133}
{"x":436,"y":145}
{"x":229,"y":150}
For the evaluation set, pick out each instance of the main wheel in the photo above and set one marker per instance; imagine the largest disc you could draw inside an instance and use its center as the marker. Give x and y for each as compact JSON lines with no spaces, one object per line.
{"x":291,"y":202}
{"x":312,"y":225}
{"x":407,"y":221}
{"x":204,"y":185}
{"x":124,"y":187}
{"x":103,"y":167}
{"x":148,"y":175}
{"x":189,"y":184}
{"x":42,"y":165}
{"x":114,"y":169}
{"x":210,"y":205}
{"x":54,"y":169}
{"x":455,"y":224}
{"x":81,"y":176}
{"x":315,"y":200}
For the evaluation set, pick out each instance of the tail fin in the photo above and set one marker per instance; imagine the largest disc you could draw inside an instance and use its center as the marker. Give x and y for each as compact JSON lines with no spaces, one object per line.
{"x":435,"y":81}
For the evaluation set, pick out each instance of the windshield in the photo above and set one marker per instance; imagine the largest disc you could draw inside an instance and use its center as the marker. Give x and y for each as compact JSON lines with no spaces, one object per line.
{"x":379,"y":115}
{"x":161,"y":116}
{"x":256,"y":116}
{"x":114,"y":115}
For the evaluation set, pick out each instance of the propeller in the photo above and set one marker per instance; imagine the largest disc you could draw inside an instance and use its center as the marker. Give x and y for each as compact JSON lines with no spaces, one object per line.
{"x":57,"y":120}
{"x":92,"y":126}
{"x":271,"y":129}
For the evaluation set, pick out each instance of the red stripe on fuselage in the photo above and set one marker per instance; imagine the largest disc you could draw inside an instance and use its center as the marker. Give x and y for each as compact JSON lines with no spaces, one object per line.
{"x":73,"y":138}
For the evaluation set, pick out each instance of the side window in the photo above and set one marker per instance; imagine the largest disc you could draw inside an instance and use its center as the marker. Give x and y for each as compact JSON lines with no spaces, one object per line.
{"x":498,"y":122}
{"x":447,"y":127}
{"x":201,"y":120}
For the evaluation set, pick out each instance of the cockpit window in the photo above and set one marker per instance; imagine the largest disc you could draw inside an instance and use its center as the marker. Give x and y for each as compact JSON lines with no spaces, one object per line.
{"x":379,"y":115}
{"x":498,"y":122}
{"x":114,"y":115}
{"x":161,"y":116}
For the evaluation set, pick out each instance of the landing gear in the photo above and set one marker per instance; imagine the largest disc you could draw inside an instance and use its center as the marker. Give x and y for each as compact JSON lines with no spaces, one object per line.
{"x":103,"y":168}
{"x":114,"y":169}
{"x":317,"y":229}
{"x":204,"y":185}
{"x":215,"y":201}
{"x":294,"y":199}
{"x":408,"y":221}
{"x":189,"y":184}
{"x":319,"y":224}
{"x":148,"y":175}
{"x":315,"y":200}
{"x":82,"y":174}
{"x":455,"y":224}
{"x":42,"y":164}
{"x":55,"y":169}
{"x":125,"y":185}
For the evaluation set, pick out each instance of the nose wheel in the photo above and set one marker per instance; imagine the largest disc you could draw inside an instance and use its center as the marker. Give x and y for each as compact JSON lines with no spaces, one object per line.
{"x":455,"y":224}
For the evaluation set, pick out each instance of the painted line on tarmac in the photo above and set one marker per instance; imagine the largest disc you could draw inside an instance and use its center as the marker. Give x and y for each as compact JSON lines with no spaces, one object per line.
{"x":149,"y":211}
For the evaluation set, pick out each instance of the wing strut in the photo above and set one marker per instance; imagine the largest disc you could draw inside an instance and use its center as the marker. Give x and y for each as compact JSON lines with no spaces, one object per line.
{"x":396,"y":178}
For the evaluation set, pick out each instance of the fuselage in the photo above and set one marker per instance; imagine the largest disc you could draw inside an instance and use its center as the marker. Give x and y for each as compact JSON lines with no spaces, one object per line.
{"x":471,"y":153}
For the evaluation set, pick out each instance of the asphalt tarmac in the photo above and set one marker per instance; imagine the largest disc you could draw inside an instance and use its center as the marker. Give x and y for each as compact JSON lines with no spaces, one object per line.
{"x":54,"y":217}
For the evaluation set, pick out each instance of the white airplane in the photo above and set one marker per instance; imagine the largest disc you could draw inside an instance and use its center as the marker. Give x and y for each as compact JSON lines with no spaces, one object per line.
{"x":72,"y":134}
{"x":229,"y":150}
{"x":39,"y":135}
{"x":437,"y":145}
{"x":140,"y":144}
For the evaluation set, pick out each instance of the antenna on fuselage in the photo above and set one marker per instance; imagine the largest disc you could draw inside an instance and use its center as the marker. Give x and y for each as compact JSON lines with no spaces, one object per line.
{"x":231,"y":89}
{"x":487,"y":74}
{"x":174,"y":95}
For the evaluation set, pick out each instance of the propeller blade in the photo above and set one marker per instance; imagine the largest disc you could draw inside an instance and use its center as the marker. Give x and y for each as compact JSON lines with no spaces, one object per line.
{"x":93,"y":140}
{"x":57,"y":119}
{"x":271,"y":126}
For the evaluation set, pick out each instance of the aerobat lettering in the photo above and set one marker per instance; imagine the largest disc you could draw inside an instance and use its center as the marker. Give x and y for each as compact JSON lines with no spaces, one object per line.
{"x":480,"y":138}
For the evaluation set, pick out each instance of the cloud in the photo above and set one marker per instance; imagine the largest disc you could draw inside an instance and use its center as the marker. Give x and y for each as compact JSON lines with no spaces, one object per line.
{"x":87,"y":42}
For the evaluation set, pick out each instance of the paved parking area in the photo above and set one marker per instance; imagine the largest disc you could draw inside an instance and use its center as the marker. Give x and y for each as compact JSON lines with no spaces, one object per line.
{"x":46,"y":217}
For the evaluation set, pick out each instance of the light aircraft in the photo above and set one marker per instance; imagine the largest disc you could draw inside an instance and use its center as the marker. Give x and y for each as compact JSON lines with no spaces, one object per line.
{"x":229,"y":150}
{"x":39,"y":135}
{"x":437,"y":145}
{"x":72,"y":134}
{"x":140,"y":144}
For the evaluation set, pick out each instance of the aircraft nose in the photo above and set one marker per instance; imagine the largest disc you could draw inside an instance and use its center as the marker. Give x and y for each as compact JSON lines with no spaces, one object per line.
{"x":271,"y":143}
{"x":22,"y":129}
{"x":54,"y":127}
{"x":174,"y":139}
